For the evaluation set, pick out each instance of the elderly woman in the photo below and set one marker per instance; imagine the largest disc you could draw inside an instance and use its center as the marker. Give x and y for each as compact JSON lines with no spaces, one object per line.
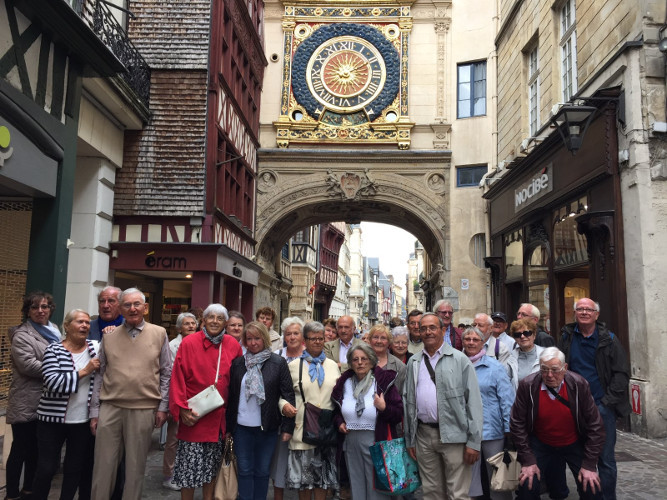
{"x":259,"y":380}
{"x":28,"y":343}
{"x":292,"y":330}
{"x":186,"y":323}
{"x":311,"y":469}
{"x":235,"y":325}
{"x":497,"y":399}
{"x":400,"y":342}
{"x":200,"y":439}
{"x":525,"y":351}
{"x":369,"y":404}
{"x":380,"y":341}
{"x":68,"y":368}
{"x":330,"y":330}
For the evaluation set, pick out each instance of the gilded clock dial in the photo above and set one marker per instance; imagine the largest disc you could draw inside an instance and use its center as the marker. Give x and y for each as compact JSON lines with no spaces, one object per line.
{"x":345,"y":74}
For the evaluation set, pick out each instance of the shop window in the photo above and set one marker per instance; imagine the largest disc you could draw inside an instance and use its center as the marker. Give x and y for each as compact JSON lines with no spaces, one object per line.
{"x":569,"y":245}
{"x":538,"y":283}
{"x":538,"y":265}
{"x":575,"y":289}
{"x":538,"y":295}
{"x":513,"y":256}
{"x":477,"y":249}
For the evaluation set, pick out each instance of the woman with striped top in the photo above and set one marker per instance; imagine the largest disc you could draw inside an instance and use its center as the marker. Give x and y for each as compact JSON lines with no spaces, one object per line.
{"x":68,"y":370}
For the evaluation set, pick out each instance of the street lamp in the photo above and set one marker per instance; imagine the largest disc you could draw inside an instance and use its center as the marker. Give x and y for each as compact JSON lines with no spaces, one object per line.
{"x":572,"y":122}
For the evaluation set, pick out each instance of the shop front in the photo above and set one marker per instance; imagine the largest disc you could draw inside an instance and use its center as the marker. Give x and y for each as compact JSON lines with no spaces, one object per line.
{"x":557,"y":231}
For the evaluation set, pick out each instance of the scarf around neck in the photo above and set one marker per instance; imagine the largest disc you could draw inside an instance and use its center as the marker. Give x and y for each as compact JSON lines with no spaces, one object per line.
{"x":254,"y":381}
{"x":475,"y":359}
{"x":315,"y":368}
{"x":49,"y":331}
{"x":214,"y":340}
{"x":360,"y":389}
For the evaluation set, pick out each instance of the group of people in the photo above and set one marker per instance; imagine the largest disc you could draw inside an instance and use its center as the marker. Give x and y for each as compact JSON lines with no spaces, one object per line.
{"x":457,"y":397}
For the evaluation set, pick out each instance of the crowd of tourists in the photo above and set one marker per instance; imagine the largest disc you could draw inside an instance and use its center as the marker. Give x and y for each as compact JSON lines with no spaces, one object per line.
{"x":457,"y":396}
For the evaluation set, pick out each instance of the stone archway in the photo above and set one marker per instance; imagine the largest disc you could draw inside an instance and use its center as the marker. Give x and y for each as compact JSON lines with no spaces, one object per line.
{"x":299,"y":188}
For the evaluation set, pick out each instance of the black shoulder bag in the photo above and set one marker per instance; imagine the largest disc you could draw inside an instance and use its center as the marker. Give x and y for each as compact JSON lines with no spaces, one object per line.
{"x":318,"y":424}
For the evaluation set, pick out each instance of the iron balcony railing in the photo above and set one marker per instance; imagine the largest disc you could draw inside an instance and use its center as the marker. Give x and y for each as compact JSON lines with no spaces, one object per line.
{"x":98,"y":15}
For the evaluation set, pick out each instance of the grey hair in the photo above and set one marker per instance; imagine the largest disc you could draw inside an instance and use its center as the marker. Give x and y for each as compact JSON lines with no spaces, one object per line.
{"x":292,"y":320}
{"x":400,"y":331}
{"x":597,"y":304}
{"x":368,"y":351}
{"x":181,"y":318}
{"x":440,"y":322}
{"x":69,"y":317}
{"x":114,"y":289}
{"x":474,"y":330}
{"x":443,"y":302}
{"x":216,"y":309}
{"x":312,"y":326}
{"x":130,"y":291}
{"x":550,"y":353}
{"x":488,"y":318}
{"x":534,"y":310}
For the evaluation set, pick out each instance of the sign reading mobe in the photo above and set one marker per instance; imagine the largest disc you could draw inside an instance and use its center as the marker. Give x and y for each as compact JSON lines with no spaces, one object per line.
{"x":534,"y":188}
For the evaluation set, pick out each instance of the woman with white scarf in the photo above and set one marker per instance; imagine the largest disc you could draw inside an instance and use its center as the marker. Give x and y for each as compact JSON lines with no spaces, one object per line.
{"x":259,"y":379}
{"x":369,"y":405}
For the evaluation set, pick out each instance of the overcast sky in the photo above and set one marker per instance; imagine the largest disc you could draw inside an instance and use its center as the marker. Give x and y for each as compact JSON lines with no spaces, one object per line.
{"x":392,"y":245}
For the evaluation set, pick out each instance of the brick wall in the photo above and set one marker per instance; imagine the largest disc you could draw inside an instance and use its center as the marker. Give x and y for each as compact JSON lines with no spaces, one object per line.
{"x":15,"y":227}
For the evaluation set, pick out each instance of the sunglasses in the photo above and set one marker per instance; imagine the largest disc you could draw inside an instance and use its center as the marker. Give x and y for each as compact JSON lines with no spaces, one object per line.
{"x":526,"y":334}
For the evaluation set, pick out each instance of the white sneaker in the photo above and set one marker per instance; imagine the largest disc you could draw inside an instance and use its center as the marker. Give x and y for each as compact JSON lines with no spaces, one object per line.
{"x":170,"y":484}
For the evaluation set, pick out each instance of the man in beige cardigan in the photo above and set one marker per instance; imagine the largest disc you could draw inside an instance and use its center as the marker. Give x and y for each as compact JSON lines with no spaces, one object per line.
{"x":130,"y":397}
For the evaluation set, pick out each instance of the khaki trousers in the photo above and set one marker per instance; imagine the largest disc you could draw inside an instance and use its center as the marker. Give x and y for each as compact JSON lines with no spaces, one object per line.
{"x":441,"y":466}
{"x":121,"y":430}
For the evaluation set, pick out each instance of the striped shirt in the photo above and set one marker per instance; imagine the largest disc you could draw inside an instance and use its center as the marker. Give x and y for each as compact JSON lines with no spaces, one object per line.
{"x":61,"y":380}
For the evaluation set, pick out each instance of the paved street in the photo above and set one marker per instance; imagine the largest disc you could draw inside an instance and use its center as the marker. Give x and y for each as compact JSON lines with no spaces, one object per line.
{"x":641,"y":472}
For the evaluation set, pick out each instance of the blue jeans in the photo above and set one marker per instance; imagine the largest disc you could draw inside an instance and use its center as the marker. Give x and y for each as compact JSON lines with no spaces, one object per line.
{"x":254,"y":451}
{"x":550,"y":457}
{"x":607,"y":460}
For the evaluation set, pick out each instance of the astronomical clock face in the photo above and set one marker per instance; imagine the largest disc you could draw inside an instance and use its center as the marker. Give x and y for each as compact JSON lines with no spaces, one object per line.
{"x":346,"y":74}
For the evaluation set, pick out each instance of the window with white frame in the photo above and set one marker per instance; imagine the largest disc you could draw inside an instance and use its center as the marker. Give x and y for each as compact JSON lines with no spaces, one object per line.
{"x":568,"y":50}
{"x":471,"y":89}
{"x":533,"y":92}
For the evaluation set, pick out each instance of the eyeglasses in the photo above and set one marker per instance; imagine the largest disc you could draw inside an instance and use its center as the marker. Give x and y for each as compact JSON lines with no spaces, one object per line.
{"x":526,"y":333}
{"x":43,"y":307}
{"x":446,"y":313}
{"x":359,"y":360}
{"x":546,"y":370}
{"x":429,"y":328}
{"x":586,"y":310}
{"x":315,"y":339}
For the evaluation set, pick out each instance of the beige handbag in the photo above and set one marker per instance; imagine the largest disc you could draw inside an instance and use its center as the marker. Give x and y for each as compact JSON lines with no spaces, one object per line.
{"x":209,"y":399}
{"x":226,"y":484}
{"x":506,"y":470}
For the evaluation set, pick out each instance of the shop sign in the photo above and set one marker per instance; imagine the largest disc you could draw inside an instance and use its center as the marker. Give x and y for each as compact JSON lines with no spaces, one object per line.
{"x":534,"y":189}
{"x":166,"y":262}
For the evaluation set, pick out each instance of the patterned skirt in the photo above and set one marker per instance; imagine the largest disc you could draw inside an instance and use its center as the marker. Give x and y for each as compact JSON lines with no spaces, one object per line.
{"x":315,"y":468}
{"x":197,"y":464}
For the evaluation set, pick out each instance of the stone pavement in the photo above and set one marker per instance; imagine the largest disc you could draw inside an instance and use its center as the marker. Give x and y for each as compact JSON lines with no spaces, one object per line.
{"x":642,"y":472}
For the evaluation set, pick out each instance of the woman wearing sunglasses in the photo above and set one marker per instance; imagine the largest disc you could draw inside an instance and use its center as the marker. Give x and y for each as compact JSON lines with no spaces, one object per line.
{"x":525,"y":351}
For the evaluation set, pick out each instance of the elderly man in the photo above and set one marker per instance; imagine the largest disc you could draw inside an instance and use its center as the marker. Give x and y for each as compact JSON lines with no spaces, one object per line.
{"x":543,"y":339}
{"x":337,"y":349}
{"x":596,"y":354}
{"x":554,"y":421}
{"x":496,"y":349}
{"x":445,"y":311}
{"x":130,"y":397}
{"x":108,"y":308}
{"x":443,"y":414}
{"x":415,"y":341}
{"x":499,"y":330}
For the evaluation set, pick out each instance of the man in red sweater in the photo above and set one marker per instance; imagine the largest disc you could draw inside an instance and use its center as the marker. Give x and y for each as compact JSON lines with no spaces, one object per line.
{"x":555,"y":421}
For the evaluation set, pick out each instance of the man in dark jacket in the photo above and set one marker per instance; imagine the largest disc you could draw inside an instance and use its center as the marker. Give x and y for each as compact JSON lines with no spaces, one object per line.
{"x":593,"y":352}
{"x":554,"y":421}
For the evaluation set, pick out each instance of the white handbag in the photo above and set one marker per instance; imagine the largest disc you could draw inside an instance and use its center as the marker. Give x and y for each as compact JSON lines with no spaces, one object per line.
{"x":209,"y":399}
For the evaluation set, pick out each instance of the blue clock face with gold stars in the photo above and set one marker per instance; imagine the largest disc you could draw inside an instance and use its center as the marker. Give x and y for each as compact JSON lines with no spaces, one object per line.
{"x":345,"y":73}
